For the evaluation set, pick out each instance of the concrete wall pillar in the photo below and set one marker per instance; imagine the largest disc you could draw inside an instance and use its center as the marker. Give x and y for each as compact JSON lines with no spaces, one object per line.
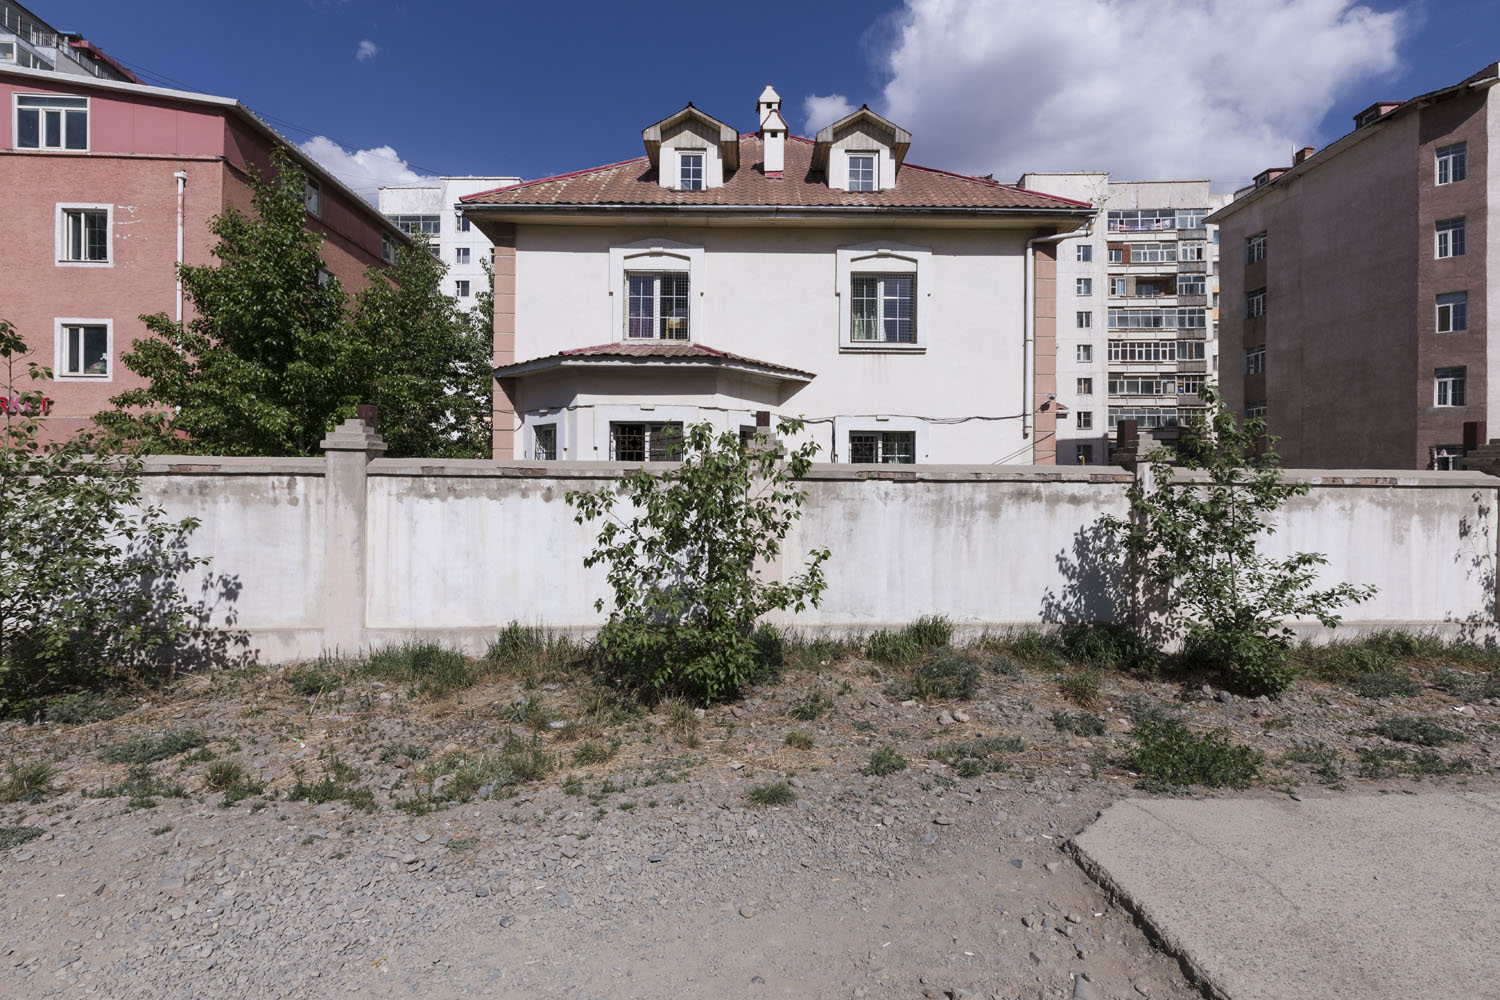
{"x":347,"y":451}
{"x":503,"y":443}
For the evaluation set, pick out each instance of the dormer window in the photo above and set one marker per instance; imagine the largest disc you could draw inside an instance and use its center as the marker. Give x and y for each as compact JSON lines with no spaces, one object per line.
{"x":862,"y":172}
{"x":690,"y":170}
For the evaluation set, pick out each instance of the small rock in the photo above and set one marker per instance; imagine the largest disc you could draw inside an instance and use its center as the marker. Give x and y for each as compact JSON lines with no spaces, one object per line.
{"x":1035,"y":958}
{"x":747,"y":911}
{"x":406,"y":859}
{"x":1028,"y":921}
{"x":1053,"y":866}
{"x":483,"y":891}
{"x":929,"y":838}
{"x":422,"y":837}
{"x":737,"y":712}
{"x":1144,"y":989}
{"x":1074,"y":918}
{"x":757,"y":980}
{"x":1224,"y":696}
{"x":960,"y":716}
{"x":28,"y":855}
{"x":909,"y":703}
{"x":699,"y":713}
{"x":1465,"y":710}
{"x":656,"y":859}
{"x":1084,"y":990}
{"x":1208,"y":691}
{"x":563,"y":899}
{"x":941,"y":820}
{"x":507,"y":920}
{"x":1015,"y":862}
{"x":944,"y":719}
{"x":403,"y":761}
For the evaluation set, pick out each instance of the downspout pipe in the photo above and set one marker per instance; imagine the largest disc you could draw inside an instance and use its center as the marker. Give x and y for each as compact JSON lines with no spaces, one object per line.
{"x":181,"y":176}
{"x":1028,"y":319}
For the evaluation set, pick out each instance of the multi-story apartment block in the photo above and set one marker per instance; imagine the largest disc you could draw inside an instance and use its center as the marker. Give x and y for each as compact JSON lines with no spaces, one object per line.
{"x":110,"y":187}
{"x":1137,"y":304}
{"x":31,"y":43}
{"x":432,"y":211}
{"x":1357,"y":284}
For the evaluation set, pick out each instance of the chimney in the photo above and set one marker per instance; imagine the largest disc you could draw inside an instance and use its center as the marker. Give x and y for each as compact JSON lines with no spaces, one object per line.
{"x":1301,"y":155}
{"x":772,"y":132}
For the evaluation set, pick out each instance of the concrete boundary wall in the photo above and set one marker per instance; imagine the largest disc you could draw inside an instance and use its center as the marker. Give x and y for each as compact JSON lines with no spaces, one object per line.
{"x":352,"y":551}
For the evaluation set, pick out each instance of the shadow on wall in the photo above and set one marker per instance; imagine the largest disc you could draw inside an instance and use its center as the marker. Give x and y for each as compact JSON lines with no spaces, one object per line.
{"x":1097,"y":584}
{"x":1476,"y":558}
{"x":202,"y":646}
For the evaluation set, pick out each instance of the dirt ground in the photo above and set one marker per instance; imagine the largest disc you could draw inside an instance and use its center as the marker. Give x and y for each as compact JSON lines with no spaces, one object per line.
{"x":538,"y":838}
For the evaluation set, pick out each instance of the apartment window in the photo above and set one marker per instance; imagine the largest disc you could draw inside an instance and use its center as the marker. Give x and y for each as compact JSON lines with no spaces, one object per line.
{"x":1192,"y":251}
{"x":1191,"y":350}
{"x":461,"y":289}
{"x":657,"y":306}
{"x":1143,"y":220}
{"x":1084,"y":453}
{"x":1185,"y":318}
{"x":51,"y":122}
{"x":883,"y":447}
{"x":387,"y":249}
{"x":1255,"y":411}
{"x":1148,"y":351}
{"x":690,"y":170}
{"x":883,"y":308}
{"x":1153,"y":253}
{"x":1085,"y":387}
{"x":83,"y":234}
{"x":83,"y":349}
{"x":463,"y":224}
{"x":1255,"y":248}
{"x":1192,"y":284}
{"x":1255,"y":360}
{"x":1448,"y":386}
{"x":1085,"y":252}
{"x":1191,"y":218}
{"x":1452,"y":312}
{"x":1146,"y":417}
{"x":1255,"y":303}
{"x":1450,"y":238}
{"x":324,"y":277}
{"x":1085,"y":420}
{"x":461,"y":255}
{"x":436,"y":250}
{"x":1116,"y":255}
{"x":414,"y":225}
{"x":1117,"y":286}
{"x":1085,"y":353}
{"x":544,"y":446}
{"x":861,"y":171}
{"x":1085,"y":319}
{"x":312,"y":197}
{"x":1191,"y":385}
{"x":1130,"y":384}
{"x":1452,"y":162}
{"x":1084,"y":286}
{"x":645,"y":442}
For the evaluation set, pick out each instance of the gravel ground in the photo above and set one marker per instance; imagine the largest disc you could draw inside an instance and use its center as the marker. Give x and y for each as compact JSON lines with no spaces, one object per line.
{"x":645,"y":875}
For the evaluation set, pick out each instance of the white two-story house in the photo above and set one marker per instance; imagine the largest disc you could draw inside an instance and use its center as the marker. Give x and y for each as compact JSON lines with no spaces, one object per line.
{"x":906,"y":314}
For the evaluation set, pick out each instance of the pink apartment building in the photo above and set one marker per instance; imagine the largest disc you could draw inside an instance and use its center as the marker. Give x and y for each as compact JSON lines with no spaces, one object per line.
{"x":109,"y":185}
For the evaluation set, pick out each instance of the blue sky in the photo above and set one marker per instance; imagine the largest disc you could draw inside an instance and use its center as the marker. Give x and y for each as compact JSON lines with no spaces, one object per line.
{"x":1181,"y":88}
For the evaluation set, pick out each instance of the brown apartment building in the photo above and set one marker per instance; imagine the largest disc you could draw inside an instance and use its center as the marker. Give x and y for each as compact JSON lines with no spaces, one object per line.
{"x":1356,"y":287}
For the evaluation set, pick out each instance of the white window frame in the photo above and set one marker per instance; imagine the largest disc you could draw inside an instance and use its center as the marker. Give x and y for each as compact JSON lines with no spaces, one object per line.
{"x":654,"y":255}
{"x":61,"y":227}
{"x":312,"y":197}
{"x":1255,"y":303}
{"x":387,"y":248}
{"x":1084,"y":386}
{"x":869,"y":156}
{"x":1453,"y":315}
{"x":59,"y":348}
{"x":461,"y":255}
{"x":1447,"y":457}
{"x":1255,"y":360}
{"x":1255,"y":411}
{"x":684,"y":156}
{"x":1117,"y":286}
{"x":885,"y":258}
{"x":1085,"y":354}
{"x":1084,"y":253}
{"x":1083,"y":286}
{"x":1192,"y":251}
{"x":657,"y":318}
{"x":1449,"y":238}
{"x":1255,"y":247}
{"x":1450,"y":163}
{"x":1085,"y":421}
{"x":1084,"y":318}
{"x":1197,"y":284}
{"x":1116,"y":255}
{"x":15,"y":123}
{"x":1448,"y":384}
{"x":461,"y":288}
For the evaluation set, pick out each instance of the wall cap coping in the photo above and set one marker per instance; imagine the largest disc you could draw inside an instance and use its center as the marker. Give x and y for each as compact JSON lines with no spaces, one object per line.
{"x":231,"y":465}
{"x":354,"y":435}
{"x":471,"y":467}
{"x":1376,"y":477}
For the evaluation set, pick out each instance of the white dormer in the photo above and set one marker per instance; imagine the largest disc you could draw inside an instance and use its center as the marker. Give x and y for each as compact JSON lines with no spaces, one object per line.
{"x":861,"y":152}
{"x":773,"y":130}
{"x":691,"y":150}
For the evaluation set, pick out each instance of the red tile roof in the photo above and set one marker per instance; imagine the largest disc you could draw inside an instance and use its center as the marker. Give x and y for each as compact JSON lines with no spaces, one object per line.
{"x":634,"y":182}
{"x":662,"y":349}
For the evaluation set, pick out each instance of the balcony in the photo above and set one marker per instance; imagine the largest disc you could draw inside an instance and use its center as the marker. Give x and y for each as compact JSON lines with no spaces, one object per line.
{"x":1189,"y":399}
{"x":1192,"y":366}
{"x":1192,"y":333}
{"x":1192,"y":267}
{"x":1192,"y":234}
{"x":1192,"y":300}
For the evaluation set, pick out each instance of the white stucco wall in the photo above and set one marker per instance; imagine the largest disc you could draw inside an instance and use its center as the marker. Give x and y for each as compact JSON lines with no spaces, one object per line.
{"x":774,"y":294}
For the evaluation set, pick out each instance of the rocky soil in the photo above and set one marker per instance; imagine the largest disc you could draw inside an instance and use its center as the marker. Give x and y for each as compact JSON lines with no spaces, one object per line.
{"x":409,"y":863}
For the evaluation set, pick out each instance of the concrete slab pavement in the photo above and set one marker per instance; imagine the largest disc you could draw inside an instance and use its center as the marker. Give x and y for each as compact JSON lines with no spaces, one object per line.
{"x":1381,"y":897}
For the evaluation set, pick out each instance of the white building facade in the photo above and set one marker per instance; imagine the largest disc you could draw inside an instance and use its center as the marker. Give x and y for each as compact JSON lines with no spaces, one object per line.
{"x":431,"y":210}
{"x":906,"y":314}
{"x":1137,"y":309}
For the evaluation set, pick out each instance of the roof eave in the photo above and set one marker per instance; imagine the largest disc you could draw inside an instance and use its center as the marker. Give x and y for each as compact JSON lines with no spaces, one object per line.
{"x":619,"y":363}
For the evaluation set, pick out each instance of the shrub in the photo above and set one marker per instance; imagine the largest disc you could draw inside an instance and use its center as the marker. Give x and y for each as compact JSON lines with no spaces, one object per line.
{"x":434,"y":670}
{"x":27,"y":782}
{"x":682,"y":564}
{"x":930,"y":631}
{"x":799,"y":741}
{"x":971,"y":758}
{"x":1169,"y":757}
{"x":777,"y":793}
{"x":84,"y":707}
{"x":1420,"y":732}
{"x":1078,"y":723}
{"x":222,"y":774}
{"x":1106,"y":647}
{"x":885,"y":761}
{"x":1081,"y":688}
{"x":943,"y":675}
{"x":15,"y":836}
{"x":809,"y":708}
{"x":1384,"y":684}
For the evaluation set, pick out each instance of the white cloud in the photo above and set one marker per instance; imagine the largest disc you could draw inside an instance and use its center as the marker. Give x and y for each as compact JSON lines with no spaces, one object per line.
{"x":364,"y":170}
{"x":1141,"y":88}
{"x":366,"y":51}
{"x":822,"y":111}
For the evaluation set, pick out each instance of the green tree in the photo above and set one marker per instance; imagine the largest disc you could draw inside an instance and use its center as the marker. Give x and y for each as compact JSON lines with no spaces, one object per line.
{"x":430,"y":363}
{"x":88,"y":572}
{"x":684,"y":548}
{"x":1194,"y":535}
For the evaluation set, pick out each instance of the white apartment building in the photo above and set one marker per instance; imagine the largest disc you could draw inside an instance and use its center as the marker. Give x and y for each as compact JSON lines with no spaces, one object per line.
{"x":31,"y":43}
{"x":431,"y":210}
{"x":1137,"y":309}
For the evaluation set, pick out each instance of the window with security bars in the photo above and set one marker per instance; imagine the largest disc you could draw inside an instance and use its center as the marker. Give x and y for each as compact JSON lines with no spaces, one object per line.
{"x":657,"y":306}
{"x":883,"y":447}
{"x":86,"y":235}
{"x":545,"y":447}
{"x":883,"y":309}
{"x":645,"y":442}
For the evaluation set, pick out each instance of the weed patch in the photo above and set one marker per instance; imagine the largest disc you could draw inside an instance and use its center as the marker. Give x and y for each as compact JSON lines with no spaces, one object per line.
{"x":142,"y":787}
{"x":84,"y":707}
{"x":885,"y":761}
{"x":1168,"y":757}
{"x":311,"y":681}
{"x":1419,"y":732}
{"x":411,"y":751}
{"x":1325,"y":761}
{"x":809,"y":708}
{"x":1385,"y":683}
{"x":1081,"y":688}
{"x":596,"y":752}
{"x":432,"y":670}
{"x":1078,"y":723}
{"x":1386,"y":762}
{"x":799,"y":741}
{"x":338,"y":783}
{"x":777,"y":793}
{"x":27,"y":782}
{"x":971,"y":758}
{"x":15,"y":836}
{"x":941,"y":676}
{"x":147,"y":749}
